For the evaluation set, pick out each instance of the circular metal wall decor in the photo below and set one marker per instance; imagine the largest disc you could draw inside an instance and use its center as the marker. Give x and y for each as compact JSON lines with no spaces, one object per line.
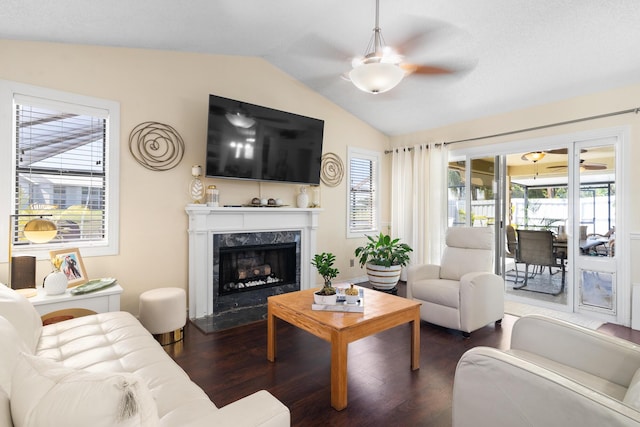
{"x":156,"y":146}
{"x":332,"y":170}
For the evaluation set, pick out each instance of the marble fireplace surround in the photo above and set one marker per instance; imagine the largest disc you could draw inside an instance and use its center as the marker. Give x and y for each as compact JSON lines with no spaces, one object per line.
{"x":205,"y":222}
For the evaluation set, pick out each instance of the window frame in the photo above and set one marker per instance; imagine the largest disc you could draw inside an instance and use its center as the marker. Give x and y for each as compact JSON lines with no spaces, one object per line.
{"x":375,"y":158}
{"x":8,"y":93}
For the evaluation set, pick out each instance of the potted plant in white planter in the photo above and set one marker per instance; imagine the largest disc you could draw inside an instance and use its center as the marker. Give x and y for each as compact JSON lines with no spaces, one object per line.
{"x":324,"y":264}
{"x":384,"y":258}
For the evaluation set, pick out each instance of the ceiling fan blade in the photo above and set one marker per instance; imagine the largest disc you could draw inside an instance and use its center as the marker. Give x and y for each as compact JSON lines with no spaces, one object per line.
{"x":564,"y":151}
{"x":594,"y":166}
{"x":425,"y":69}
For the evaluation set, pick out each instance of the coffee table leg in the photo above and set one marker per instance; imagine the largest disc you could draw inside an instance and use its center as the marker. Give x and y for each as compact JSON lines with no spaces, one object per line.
{"x":271,"y":337}
{"x":339,"y":348}
{"x":415,"y":341}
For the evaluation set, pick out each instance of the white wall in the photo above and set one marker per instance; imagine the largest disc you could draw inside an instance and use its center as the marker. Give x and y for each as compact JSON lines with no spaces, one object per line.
{"x":173,"y":88}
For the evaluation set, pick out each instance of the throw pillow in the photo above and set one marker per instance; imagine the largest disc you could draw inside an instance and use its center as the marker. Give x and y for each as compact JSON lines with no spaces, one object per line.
{"x":632,"y":398}
{"x":47,"y":393}
{"x":19,"y":311}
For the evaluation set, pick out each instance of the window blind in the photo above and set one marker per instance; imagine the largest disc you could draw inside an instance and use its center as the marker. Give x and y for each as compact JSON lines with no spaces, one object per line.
{"x":362,"y":194}
{"x":60,"y":169}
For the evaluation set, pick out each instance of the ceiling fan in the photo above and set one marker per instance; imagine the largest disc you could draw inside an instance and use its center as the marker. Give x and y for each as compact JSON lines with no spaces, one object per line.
{"x":583,"y":165}
{"x":382,"y":67}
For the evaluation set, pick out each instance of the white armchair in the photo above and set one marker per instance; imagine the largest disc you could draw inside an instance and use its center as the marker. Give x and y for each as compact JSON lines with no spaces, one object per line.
{"x":462,"y":292}
{"x":554,"y":374}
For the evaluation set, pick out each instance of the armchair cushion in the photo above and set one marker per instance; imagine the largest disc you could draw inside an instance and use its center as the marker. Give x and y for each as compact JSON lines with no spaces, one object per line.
{"x":438,"y":291}
{"x":11,"y":346}
{"x":632,"y":397}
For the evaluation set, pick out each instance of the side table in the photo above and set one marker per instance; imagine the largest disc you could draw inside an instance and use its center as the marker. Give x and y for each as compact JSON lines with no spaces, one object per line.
{"x":101,"y":301}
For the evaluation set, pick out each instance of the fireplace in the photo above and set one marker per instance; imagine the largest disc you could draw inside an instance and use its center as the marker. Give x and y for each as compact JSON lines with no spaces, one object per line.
{"x":238,"y":257}
{"x":249,"y":268}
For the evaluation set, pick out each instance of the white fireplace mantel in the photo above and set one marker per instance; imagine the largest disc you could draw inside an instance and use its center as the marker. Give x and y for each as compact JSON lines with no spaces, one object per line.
{"x":206,"y":221}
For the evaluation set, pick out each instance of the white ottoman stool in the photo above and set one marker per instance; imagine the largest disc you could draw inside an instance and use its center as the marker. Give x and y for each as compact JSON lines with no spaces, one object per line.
{"x":163,"y":312}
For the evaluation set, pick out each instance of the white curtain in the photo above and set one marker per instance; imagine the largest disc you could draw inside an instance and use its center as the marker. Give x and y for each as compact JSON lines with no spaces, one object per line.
{"x":419,"y":202}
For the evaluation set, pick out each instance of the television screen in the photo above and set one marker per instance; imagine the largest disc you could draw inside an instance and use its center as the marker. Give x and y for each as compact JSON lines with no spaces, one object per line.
{"x":247,"y":141}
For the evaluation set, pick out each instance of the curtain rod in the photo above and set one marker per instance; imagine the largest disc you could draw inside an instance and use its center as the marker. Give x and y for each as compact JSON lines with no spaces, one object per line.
{"x":635,"y":110}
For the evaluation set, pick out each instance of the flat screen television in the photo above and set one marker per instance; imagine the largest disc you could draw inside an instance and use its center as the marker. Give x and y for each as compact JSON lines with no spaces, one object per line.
{"x":247,"y":141}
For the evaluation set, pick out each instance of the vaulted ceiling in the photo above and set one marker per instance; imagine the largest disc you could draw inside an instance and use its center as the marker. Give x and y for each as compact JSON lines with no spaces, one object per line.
{"x":507,"y":54}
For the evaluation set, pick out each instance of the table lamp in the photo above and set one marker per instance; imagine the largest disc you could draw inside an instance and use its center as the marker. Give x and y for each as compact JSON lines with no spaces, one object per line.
{"x":22,"y":269}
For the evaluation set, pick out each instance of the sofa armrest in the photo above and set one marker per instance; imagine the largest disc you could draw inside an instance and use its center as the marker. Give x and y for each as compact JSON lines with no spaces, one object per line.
{"x":260,"y":409}
{"x":604,"y":356}
{"x":421,"y":272}
{"x":494,"y":388}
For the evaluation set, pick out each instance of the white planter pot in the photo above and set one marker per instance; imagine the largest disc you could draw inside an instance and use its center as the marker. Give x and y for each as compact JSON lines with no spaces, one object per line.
{"x":55,"y":283}
{"x":383,"y":277}
{"x":325,"y":299}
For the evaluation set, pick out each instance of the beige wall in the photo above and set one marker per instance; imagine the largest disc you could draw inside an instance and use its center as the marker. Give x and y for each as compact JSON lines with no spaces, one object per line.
{"x":173,"y":88}
{"x":585,"y":106}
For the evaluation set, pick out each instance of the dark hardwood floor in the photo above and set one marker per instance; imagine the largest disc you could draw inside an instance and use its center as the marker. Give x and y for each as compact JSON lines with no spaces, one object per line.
{"x":382,"y":389}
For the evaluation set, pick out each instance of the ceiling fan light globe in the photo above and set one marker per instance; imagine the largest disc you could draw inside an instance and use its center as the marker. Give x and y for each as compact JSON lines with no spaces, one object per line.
{"x":376,"y":77}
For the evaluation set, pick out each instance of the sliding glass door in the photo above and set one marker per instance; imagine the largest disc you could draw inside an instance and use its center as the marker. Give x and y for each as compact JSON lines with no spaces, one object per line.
{"x":560,"y":191}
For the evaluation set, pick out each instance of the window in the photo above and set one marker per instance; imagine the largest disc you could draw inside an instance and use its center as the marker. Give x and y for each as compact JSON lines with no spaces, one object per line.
{"x":63,"y":164}
{"x":362,"y":200}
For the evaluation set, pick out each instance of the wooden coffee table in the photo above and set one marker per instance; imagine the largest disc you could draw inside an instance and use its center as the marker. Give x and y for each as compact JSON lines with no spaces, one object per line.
{"x":381,"y":312}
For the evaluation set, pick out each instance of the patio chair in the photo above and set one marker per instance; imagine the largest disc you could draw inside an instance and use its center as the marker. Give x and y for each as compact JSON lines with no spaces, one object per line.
{"x":512,"y":253}
{"x":535,"y":247}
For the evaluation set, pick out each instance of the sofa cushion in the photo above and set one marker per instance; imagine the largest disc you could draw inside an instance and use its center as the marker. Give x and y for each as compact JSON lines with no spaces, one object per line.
{"x":11,"y":345}
{"x":632,"y":397}
{"x":117,"y":342}
{"x":19,"y":311}
{"x":47,"y":393}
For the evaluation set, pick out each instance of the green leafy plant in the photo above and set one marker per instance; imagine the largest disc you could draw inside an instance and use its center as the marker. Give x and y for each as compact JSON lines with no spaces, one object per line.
{"x":384,"y":251}
{"x":324,"y":264}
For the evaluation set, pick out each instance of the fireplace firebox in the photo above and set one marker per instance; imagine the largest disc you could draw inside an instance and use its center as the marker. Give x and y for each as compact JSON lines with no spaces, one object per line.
{"x":252,"y":267}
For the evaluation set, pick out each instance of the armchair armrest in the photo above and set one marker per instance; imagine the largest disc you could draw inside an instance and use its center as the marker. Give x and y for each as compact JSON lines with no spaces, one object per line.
{"x":421,"y":272}
{"x":499,"y":389}
{"x":259,"y":409}
{"x":607,"y":357}
{"x":481,"y":298}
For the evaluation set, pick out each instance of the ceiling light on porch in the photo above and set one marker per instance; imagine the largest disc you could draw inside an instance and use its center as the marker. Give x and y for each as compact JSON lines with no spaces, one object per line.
{"x":533,"y":156}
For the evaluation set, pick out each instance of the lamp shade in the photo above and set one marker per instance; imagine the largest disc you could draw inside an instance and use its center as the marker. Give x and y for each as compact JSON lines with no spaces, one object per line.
{"x":39,"y":230}
{"x":376,"y":77}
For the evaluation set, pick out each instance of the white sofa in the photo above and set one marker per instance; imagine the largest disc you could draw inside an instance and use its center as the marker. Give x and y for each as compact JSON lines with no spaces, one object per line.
{"x":104,"y":369}
{"x":554,"y":374}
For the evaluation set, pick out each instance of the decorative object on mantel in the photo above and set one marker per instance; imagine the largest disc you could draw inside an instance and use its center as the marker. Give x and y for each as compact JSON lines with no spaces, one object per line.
{"x":56,"y":282}
{"x":302,"y":201}
{"x":196,"y":187}
{"x":213,"y":196}
{"x":315,"y":200}
{"x":332,"y":170}
{"x":156,"y":146}
{"x":324,"y":264}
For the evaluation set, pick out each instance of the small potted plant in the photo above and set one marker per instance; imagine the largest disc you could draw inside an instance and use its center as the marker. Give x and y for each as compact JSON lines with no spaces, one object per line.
{"x":324,"y":264}
{"x":352,"y":295}
{"x":384,"y":258}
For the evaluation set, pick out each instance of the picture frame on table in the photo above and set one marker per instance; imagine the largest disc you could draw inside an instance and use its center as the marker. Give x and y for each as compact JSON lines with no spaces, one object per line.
{"x":72,"y":266}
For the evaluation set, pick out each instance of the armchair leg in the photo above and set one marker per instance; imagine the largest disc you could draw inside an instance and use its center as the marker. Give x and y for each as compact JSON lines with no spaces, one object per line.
{"x":498,"y":323}
{"x":466,"y":335}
